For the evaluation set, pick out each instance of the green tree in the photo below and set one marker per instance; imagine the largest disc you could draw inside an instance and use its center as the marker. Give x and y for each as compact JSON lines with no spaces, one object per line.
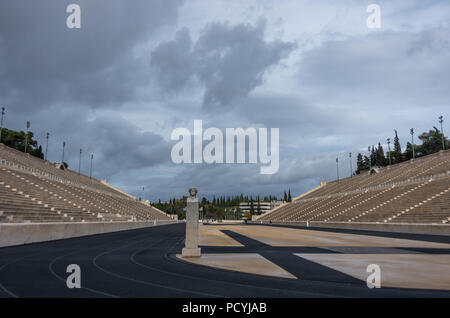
{"x":408,"y":154}
{"x":237,"y":213}
{"x":380,"y":159}
{"x":359,"y":164}
{"x":362,"y":163}
{"x":373,"y":156}
{"x":16,"y":139}
{"x":397,"y":156}
{"x":258,"y":208}
{"x":431,"y":142}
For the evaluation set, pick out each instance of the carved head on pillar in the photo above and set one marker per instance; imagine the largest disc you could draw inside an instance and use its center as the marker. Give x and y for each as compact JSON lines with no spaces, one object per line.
{"x":193,"y":192}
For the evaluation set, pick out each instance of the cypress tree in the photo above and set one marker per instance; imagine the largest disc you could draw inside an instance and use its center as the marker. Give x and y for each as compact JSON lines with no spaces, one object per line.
{"x":397,"y":153}
{"x":381,"y":159}
{"x":359,"y":164}
{"x":373,"y":156}
{"x":366,"y":163}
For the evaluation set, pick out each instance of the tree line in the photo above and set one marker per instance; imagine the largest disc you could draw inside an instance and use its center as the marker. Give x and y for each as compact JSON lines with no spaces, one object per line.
{"x":431,"y":142}
{"x":17,"y":139}
{"x":220,"y":207}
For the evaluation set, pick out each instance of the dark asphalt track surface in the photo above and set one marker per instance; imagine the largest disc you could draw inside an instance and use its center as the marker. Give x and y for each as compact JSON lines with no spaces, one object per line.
{"x":141,"y":263}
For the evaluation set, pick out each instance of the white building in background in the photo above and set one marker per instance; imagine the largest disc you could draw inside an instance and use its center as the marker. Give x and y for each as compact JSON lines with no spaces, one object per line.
{"x":264,"y":206}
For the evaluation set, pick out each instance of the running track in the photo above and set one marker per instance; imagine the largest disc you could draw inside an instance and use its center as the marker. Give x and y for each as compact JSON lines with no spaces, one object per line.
{"x":141,"y":263}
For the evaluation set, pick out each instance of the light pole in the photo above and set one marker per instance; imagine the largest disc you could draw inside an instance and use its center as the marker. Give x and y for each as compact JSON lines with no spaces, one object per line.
{"x":143,"y":189}
{"x":412,"y":142}
{"x":351,"y":169}
{"x":26,"y":137}
{"x":370,"y":159}
{"x":46,"y":146}
{"x":441,"y":120}
{"x":337,"y":168}
{"x":389,"y":149}
{"x":1,"y":123}
{"x":64,"y":146}
{"x":90,"y":171}
{"x":79,"y":162}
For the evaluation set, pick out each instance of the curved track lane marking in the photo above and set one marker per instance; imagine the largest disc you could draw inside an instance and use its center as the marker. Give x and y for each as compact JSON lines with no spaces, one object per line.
{"x":50,"y":265}
{"x":141,"y":281}
{"x":2,"y":267}
{"x":6,"y":290}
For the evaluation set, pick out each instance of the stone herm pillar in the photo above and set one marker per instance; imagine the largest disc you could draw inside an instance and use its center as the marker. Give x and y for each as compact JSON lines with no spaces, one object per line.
{"x":191,"y":248}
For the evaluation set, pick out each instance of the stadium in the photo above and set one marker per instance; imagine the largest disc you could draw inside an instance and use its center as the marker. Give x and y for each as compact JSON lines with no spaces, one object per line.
{"x":318,"y":245}
{"x":112,"y":214}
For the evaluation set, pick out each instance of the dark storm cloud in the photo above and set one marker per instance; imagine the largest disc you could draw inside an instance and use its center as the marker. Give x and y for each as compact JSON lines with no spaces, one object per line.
{"x":124,"y":147}
{"x":173,"y":62}
{"x":54,"y":76}
{"x":229,"y":61}
{"x":42,"y":61}
{"x":117,"y":144}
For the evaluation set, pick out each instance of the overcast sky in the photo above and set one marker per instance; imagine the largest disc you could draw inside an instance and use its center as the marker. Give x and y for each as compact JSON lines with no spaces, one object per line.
{"x":138,"y":69}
